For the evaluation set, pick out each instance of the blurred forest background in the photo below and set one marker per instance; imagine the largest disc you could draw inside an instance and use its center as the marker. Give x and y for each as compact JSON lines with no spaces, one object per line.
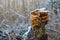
{"x":14,"y":15}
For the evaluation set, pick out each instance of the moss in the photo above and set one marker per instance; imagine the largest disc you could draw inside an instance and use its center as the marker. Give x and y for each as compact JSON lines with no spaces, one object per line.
{"x":58,"y":37}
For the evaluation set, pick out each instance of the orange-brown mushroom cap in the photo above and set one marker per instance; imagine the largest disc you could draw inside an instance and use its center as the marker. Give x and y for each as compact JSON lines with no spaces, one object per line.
{"x":38,"y":18}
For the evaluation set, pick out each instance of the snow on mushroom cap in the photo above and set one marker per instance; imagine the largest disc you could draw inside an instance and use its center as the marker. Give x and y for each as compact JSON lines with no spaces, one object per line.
{"x":42,"y":10}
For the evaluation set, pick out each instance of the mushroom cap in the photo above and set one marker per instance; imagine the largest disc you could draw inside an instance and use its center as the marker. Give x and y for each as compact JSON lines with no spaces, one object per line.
{"x":39,"y":16}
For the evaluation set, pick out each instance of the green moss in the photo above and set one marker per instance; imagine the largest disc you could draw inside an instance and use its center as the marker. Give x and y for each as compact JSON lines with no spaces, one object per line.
{"x":58,"y":37}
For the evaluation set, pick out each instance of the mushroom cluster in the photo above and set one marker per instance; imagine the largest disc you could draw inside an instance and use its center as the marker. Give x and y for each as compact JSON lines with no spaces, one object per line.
{"x":39,"y":18}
